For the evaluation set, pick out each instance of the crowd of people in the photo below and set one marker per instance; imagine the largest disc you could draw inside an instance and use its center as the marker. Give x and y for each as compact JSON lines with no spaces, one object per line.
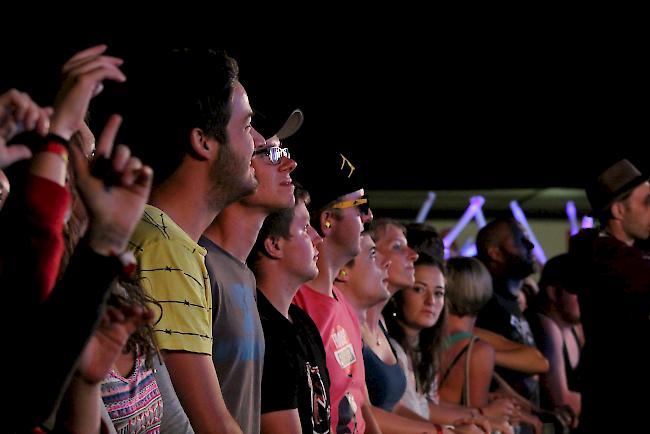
{"x":187,"y":283}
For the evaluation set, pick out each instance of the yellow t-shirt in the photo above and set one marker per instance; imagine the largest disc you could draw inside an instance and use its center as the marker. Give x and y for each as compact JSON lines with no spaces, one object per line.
{"x":171,"y":268}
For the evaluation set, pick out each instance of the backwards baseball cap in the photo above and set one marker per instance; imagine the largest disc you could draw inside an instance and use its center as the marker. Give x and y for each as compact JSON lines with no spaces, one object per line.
{"x":266,"y":124}
{"x":612,"y":184}
{"x":328,"y":175}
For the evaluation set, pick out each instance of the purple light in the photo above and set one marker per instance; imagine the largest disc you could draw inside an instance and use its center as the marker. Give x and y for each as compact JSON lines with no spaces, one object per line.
{"x":480,"y":218}
{"x":521,"y":218}
{"x":469,"y":248}
{"x":475,"y":204}
{"x":573,"y":220}
{"x":426,"y":206}
{"x":587,"y":222}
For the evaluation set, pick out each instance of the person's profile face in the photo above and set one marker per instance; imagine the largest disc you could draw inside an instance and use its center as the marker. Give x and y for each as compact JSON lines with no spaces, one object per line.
{"x":369,"y":274}
{"x":273,"y":166}
{"x":233,"y":167}
{"x":636,"y":216}
{"x":392,"y":244}
{"x":301,"y":248}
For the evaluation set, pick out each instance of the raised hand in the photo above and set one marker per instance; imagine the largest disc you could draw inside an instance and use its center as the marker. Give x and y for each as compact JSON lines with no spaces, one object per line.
{"x":79,"y":410}
{"x":500,"y":407}
{"x":83,"y":75}
{"x":108,"y":340}
{"x":115,"y":198}
{"x":19,"y":113}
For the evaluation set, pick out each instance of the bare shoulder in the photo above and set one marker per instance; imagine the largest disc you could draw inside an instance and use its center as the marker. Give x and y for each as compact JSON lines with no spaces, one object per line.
{"x":551,"y":329}
{"x":483,"y":352}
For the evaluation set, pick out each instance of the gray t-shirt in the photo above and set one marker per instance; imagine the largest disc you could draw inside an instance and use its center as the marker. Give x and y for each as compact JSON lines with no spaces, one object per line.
{"x":238,"y":338}
{"x":174,"y":419}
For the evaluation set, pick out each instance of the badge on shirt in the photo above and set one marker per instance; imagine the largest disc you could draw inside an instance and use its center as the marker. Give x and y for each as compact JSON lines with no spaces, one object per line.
{"x":344,"y":352}
{"x":345,"y":356}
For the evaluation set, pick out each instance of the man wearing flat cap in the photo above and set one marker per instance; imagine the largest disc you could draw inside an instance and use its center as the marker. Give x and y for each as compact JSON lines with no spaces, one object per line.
{"x":339,"y":209}
{"x":614,"y":295}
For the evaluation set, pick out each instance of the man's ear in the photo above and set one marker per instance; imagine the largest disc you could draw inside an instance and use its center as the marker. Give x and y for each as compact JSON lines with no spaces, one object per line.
{"x":343,"y":275}
{"x":273,"y":247}
{"x":494,"y":252}
{"x":202,"y":148}
{"x":326,"y":222}
{"x":618,"y":209}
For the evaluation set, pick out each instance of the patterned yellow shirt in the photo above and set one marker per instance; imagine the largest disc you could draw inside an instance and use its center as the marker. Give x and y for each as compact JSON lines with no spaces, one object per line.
{"x":171,"y":268}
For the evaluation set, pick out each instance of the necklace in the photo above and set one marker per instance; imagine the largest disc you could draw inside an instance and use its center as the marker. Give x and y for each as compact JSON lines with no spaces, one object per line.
{"x":374,"y":336}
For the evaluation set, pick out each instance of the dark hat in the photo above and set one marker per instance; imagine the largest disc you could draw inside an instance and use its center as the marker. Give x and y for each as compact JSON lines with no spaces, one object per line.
{"x":266,"y":124}
{"x":617,"y":180}
{"x":327,"y":175}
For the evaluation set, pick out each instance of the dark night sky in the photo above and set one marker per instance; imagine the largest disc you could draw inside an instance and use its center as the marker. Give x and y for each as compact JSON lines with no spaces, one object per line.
{"x":417,"y":113}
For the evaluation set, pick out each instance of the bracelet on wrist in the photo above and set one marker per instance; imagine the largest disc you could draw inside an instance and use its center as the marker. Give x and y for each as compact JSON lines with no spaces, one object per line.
{"x":55,"y":148}
{"x":55,"y":138}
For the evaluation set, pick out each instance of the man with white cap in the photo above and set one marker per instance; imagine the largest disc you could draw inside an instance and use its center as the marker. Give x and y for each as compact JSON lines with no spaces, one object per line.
{"x":613,"y":286}
{"x":238,"y":345}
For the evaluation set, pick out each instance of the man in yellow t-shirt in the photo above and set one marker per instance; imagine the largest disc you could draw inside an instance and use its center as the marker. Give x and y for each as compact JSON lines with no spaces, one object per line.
{"x":168,"y":260}
{"x":192,"y":124}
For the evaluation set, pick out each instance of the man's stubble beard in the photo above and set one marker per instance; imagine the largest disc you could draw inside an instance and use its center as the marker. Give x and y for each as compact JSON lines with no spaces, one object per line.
{"x":232,"y":179}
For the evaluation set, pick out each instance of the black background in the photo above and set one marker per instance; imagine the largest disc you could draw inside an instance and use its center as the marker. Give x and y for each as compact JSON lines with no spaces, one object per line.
{"x":487,"y":109}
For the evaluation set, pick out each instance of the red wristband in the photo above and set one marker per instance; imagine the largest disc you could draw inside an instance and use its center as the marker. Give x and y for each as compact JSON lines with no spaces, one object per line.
{"x":438,"y":428}
{"x":56,"y":148}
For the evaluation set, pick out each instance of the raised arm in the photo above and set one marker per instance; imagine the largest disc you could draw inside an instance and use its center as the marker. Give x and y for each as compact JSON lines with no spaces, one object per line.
{"x":80,"y":409}
{"x":513,"y":355}
{"x":555,"y":381}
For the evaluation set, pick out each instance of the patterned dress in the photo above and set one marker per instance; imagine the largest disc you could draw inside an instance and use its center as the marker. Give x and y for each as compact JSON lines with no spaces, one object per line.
{"x":133,"y":403}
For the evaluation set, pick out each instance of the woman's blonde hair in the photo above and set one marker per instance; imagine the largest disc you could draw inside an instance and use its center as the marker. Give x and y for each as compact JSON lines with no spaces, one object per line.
{"x":469,"y":286}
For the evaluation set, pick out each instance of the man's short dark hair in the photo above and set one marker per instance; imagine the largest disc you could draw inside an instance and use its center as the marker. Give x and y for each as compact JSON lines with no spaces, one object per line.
{"x":425,"y":239}
{"x":276,"y":224}
{"x":172,"y":92}
{"x":491,"y":235}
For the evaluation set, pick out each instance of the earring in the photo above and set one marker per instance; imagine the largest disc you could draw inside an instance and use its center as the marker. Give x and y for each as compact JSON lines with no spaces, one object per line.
{"x":328,"y":224}
{"x":394,"y":306}
{"x":343,"y":273}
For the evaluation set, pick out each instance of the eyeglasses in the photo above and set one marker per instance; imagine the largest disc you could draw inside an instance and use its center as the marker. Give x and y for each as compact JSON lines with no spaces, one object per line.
{"x":275,"y":153}
{"x":362,"y":202}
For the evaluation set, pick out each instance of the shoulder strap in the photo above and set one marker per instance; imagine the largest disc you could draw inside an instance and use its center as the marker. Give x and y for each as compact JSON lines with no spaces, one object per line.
{"x":451,"y":365}
{"x":385,"y":332}
{"x":576,"y":337}
{"x":465,"y":398}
